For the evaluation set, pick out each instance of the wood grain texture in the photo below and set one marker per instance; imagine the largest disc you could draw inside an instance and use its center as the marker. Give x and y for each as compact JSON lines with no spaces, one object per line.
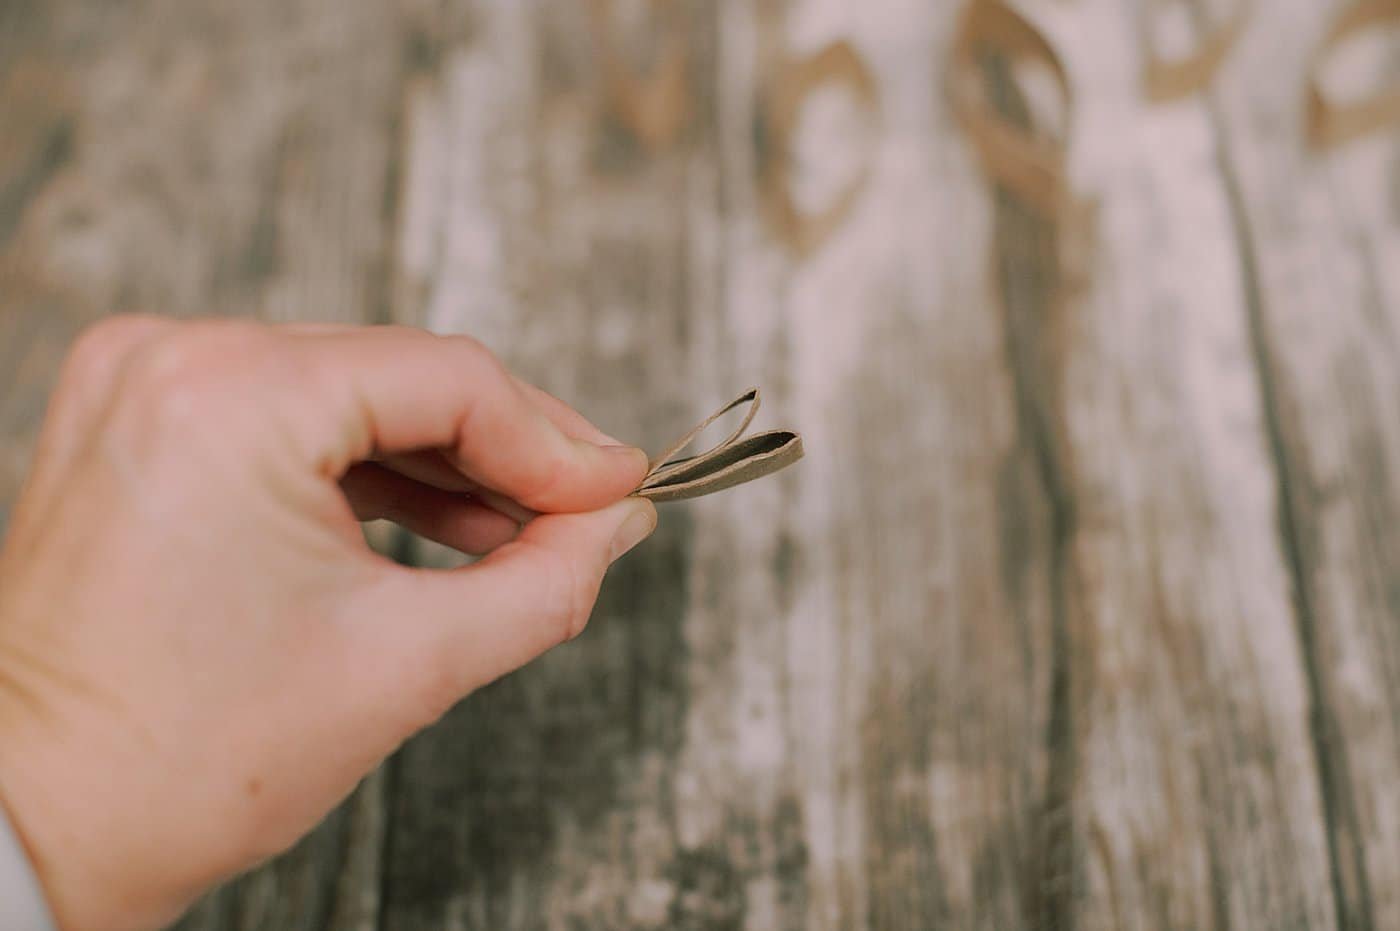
{"x":1320,"y":234}
{"x":780,"y":716}
{"x":1195,"y":803}
{"x":728,"y":768}
{"x":1081,"y":611}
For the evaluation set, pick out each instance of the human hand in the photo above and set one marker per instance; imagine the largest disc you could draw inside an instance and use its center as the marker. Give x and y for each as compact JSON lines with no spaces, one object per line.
{"x":199,"y":655}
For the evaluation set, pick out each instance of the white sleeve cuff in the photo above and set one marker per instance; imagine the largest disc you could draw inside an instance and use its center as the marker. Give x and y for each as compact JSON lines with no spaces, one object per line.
{"x":22,"y":905}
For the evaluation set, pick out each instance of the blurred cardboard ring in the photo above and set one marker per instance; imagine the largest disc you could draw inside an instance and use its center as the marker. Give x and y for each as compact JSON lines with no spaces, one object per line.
{"x":1166,"y":79}
{"x":1332,"y":124}
{"x":1030,"y":164}
{"x":655,"y":106}
{"x":836,"y":64}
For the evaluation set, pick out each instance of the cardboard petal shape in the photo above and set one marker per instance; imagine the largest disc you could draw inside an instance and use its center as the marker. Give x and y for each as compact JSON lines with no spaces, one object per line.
{"x":733,"y":461}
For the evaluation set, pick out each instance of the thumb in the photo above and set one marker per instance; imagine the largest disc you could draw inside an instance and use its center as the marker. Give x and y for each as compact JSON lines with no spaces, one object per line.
{"x":463,"y":628}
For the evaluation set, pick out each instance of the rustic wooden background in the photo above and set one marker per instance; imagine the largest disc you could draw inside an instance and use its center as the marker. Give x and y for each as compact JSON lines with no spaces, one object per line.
{"x":1083,"y":611}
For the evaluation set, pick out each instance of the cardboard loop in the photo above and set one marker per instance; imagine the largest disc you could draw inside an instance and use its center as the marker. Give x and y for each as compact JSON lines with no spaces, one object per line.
{"x":1028,"y":161}
{"x":837,"y":65}
{"x":656,"y":106}
{"x":1166,"y":79}
{"x":1331,"y":124}
{"x":733,"y":461}
{"x":749,"y":398}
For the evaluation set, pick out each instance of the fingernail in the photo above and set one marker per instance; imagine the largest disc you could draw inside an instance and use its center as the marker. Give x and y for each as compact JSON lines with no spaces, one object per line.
{"x":605,"y":439}
{"x":632,"y":453}
{"x":636,"y":528}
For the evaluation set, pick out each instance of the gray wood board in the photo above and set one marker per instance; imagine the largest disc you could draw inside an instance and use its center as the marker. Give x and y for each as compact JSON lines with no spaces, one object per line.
{"x":1080,"y":611}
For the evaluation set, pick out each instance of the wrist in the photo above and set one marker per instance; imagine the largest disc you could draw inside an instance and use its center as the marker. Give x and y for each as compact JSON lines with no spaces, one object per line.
{"x":51,"y":811}
{"x":24,"y":904}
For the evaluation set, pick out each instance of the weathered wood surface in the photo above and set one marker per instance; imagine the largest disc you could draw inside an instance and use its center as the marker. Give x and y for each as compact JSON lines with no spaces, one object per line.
{"x":1324,"y":305}
{"x":1082,"y":610}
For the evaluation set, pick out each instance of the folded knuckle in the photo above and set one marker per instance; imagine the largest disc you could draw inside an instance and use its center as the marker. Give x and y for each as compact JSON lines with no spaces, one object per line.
{"x":563,"y":594}
{"x":487,"y":367}
{"x":574,"y":591}
{"x":181,"y":382}
{"x":98,"y":351}
{"x":167,"y":385}
{"x":475,"y":350}
{"x":547,"y":479}
{"x":103,"y":339}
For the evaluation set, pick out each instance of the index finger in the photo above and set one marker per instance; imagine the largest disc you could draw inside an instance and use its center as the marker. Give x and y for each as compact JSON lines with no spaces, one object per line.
{"x":396,"y":389}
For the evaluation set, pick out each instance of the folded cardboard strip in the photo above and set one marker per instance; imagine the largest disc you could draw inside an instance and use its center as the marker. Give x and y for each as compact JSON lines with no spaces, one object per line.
{"x":733,"y":461}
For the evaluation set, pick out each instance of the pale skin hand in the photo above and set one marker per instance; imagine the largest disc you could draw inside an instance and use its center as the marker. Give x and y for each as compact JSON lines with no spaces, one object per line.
{"x":199,"y":656}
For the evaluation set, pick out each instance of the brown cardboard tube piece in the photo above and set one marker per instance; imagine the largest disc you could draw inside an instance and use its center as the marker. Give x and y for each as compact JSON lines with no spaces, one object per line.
{"x":735,"y":460}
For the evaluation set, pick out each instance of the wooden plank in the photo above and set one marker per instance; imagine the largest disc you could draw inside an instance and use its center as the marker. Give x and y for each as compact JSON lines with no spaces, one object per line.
{"x":916,"y":641}
{"x":195,"y":158}
{"x":539,"y":795}
{"x":1189,"y":791}
{"x":1014,"y":647}
{"x":1196,"y":801}
{"x":1318,"y":231}
{"x":817,"y":702}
